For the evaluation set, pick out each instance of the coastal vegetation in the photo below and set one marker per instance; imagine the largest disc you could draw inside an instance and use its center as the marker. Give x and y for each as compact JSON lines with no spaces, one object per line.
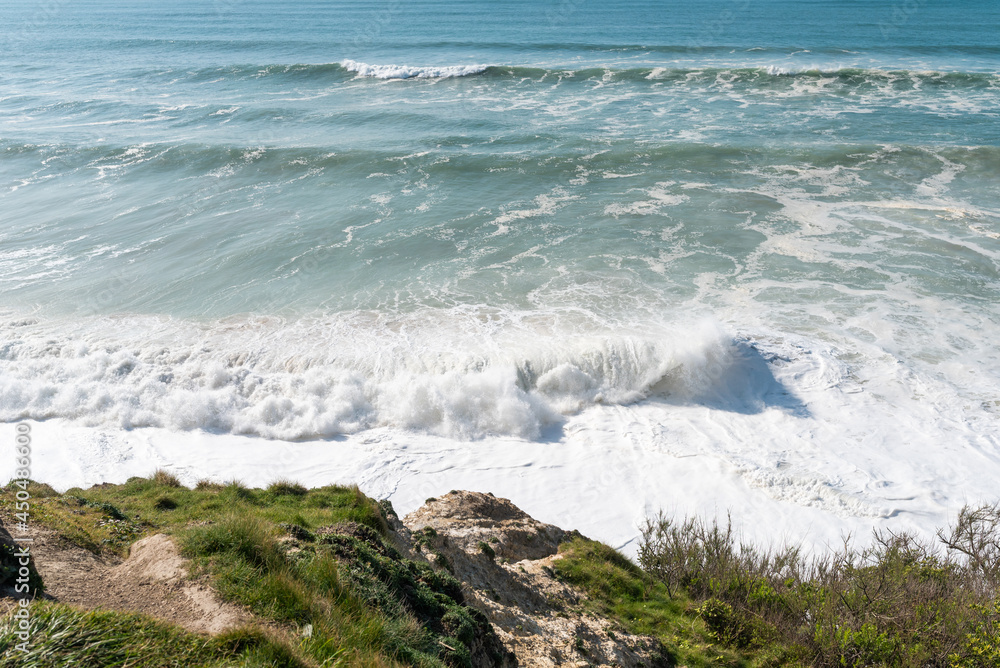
{"x":328,"y":584}
{"x":314,"y":565}
{"x":899,"y":602}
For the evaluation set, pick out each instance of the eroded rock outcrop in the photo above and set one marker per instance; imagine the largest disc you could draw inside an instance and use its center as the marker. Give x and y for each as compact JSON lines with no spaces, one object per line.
{"x":504,"y":559}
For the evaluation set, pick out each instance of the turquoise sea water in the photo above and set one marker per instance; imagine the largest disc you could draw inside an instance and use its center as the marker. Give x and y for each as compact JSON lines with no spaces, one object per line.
{"x":306,"y":219}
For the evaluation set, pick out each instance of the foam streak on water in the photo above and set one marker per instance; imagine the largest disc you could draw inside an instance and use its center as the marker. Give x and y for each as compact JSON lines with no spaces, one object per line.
{"x":697,"y":259}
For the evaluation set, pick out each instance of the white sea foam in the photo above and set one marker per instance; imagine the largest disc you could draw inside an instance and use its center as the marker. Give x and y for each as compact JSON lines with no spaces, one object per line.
{"x":853,"y":382}
{"x":267,"y":378}
{"x":411,"y":72}
{"x":693,"y":420}
{"x":659,"y":197}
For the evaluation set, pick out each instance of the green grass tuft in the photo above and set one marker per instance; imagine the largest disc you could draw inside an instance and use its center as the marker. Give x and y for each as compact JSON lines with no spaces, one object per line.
{"x":242,"y":535}
{"x":165,"y":479}
{"x":282,"y":487}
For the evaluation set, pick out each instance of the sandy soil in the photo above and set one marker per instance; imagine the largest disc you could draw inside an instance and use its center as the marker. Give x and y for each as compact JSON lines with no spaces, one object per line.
{"x":153,"y":580}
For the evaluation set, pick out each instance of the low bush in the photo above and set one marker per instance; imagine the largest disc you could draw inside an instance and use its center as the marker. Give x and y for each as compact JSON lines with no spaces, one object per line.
{"x":286,"y":487}
{"x":900,"y":602}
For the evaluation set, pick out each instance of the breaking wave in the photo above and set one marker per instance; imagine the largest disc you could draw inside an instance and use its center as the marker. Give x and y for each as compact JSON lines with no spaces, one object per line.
{"x":348,"y":373}
{"x":763,"y":75}
{"x":410,"y":72}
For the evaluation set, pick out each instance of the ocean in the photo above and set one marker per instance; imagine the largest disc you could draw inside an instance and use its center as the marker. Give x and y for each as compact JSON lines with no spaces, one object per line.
{"x":601,"y":258}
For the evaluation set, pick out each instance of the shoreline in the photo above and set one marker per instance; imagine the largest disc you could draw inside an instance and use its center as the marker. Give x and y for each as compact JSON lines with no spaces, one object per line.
{"x":604,"y":490}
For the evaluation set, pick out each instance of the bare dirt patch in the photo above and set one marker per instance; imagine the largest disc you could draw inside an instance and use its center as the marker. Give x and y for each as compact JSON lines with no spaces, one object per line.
{"x":152,"y":580}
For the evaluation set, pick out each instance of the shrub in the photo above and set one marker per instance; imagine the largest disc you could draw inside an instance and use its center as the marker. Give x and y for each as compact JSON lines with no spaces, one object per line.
{"x":111,"y":510}
{"x":723,"y":623}
{"x":976,"y":535}
{"x":707,"y":559}
{"x":982,"y":643}
{"x":898,"y":602}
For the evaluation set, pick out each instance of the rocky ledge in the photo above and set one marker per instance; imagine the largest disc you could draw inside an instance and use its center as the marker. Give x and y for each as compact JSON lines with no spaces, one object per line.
{"x":504,"y":560}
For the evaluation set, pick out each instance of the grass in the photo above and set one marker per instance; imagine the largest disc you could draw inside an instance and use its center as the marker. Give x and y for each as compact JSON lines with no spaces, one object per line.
{"x":316,"y":564}
{"x":315,"y":559}
{"x":621,"y":591}
{"x":65,"y":636}
{"x":108,"y":518}
{"x":714,"y":601}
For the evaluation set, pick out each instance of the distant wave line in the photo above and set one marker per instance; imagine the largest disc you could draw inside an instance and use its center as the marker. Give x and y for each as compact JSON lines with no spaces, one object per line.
{"x":751,"y":74}
{"x":199,"y":156}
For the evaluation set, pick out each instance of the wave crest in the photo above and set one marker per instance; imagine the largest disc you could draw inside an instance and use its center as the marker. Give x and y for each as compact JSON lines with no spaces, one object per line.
{"x":411,"y":72}
{"x":351,"y":373}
